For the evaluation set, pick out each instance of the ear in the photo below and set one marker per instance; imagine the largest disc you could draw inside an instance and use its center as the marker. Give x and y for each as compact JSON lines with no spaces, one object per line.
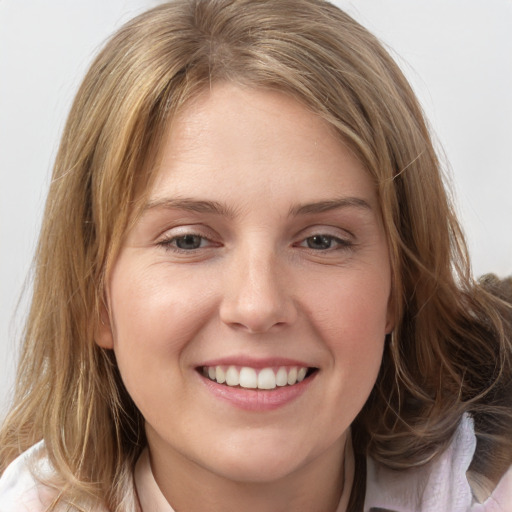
{"x":103,"y":333}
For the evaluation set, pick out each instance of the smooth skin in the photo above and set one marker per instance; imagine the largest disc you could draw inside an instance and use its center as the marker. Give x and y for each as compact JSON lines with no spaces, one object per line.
{"x":262,"y":238}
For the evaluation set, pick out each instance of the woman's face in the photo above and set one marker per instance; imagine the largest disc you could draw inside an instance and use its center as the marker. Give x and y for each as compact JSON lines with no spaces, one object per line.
{"x":260,"y":259}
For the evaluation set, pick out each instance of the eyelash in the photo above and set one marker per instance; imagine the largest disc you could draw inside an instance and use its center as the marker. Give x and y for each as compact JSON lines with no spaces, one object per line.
{"x":341,"y":243}
{"x":171,"y":243}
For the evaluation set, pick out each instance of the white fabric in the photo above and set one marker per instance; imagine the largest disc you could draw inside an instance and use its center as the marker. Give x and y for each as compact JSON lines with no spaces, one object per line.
{"x":20,"y":490}
{"x":441,"y":486}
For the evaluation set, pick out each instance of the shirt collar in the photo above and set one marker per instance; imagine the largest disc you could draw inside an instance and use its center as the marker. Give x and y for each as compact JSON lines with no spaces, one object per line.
{"x":150,"y":496}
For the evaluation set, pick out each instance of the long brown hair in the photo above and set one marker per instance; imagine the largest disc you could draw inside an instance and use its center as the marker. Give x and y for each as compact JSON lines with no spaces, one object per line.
{"x":449,"y":353}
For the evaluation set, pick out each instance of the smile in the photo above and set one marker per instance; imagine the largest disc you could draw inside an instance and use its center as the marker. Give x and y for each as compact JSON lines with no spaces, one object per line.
{"x":257,"y":378}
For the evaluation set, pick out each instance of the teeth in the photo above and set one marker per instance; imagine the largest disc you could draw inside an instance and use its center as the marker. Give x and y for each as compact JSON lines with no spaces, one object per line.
{"x":232,"y":376}
{"x":266,"y":379}
{"x":292,"y":376}
{"x":250,"y":378}
{"x":281,"y":377}
{"x":220,"y":375}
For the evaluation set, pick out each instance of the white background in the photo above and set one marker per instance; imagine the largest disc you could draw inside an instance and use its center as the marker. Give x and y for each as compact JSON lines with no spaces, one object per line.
{"x":457,"y":54}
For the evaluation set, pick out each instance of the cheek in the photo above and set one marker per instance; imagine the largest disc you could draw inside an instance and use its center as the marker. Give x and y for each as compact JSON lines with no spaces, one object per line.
{"x":354,"y":309}
{"x":153,"y":310}
{"x":351,"y":319}
{"x":154,"y":318}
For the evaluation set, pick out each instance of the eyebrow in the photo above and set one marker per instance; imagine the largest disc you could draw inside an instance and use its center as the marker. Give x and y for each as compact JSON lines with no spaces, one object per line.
{"x":217,"y":208}
{"x":331,"y":204}
{"x":191,"y":205}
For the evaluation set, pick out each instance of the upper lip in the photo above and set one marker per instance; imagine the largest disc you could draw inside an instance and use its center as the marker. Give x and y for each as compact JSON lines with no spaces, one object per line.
{"x":252,"y":362}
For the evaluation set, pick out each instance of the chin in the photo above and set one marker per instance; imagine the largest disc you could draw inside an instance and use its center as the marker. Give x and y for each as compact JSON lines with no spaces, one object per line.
{"x":260,"y":460}
{"x":264,"y":470}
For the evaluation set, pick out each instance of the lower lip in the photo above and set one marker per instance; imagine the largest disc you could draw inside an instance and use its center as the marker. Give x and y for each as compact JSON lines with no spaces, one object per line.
{"x":258,"y":399}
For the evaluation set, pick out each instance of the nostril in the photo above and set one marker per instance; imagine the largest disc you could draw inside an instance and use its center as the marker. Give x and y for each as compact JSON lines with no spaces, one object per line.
{"x":256,"y":300}
{"x":257,"y":326}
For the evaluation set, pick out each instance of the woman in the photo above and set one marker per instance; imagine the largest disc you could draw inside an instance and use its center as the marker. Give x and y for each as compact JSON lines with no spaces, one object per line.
{"x":251,"y":291}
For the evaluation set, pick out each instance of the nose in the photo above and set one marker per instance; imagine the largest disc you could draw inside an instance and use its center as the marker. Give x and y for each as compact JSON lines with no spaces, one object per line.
{"x":257,"y":297}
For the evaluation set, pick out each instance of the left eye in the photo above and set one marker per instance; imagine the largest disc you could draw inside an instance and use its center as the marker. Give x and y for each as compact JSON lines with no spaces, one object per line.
{"x":323,"y":242}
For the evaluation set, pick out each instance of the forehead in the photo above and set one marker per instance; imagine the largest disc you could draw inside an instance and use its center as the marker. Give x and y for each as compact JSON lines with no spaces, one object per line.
{"x":226,"y":104}
{"x":230,"y":138}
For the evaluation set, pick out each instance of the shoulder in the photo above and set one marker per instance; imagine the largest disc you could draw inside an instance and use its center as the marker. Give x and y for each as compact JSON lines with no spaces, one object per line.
{"x":440,"y":485}
{"x":23,"y":487}
{"x":20,"y":489}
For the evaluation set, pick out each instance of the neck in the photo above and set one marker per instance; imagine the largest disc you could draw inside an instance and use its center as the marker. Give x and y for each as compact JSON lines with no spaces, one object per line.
{"x":318,"y":485}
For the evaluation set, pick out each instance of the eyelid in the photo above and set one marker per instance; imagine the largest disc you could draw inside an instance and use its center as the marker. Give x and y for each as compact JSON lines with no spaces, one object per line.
{"x":186,"y":229}
{"x":167,"y":238}
{"x":327,"y":230}
{"x":340,"y":239}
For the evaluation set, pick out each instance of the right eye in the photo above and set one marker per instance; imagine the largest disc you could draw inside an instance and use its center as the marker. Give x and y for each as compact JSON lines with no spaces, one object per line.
{"x":186,"y":242}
